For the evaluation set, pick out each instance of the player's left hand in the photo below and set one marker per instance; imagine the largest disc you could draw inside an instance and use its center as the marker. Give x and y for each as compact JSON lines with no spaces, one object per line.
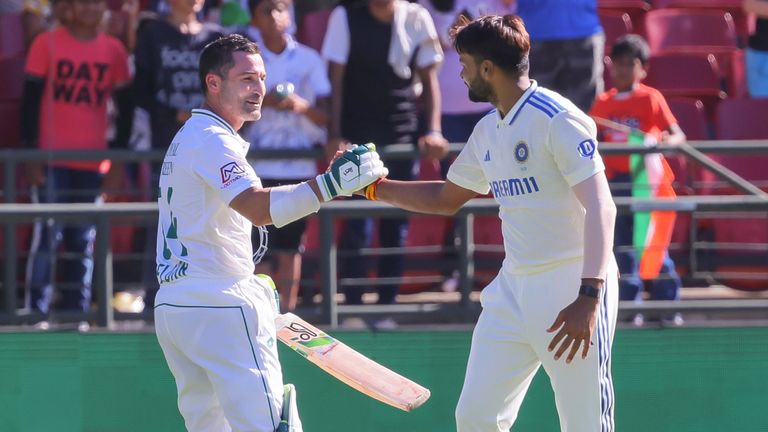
{"x":433,"y":145}
{"x":577,"y":324}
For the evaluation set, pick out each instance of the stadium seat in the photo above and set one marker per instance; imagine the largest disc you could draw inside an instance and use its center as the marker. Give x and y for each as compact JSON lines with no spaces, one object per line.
{"x":312,"y":28}
{"x":738,"y":119}
{"x":424,"y":231}
{"x":744,"y":119}
{"x":11,"y":78}
{"x":636,"y":9}
{"x":687,"y":75}
{"x":743,"y":22}
{"x":615,"y":24}
{"x":681,"y":28}
{"x":11,"y":35}
{"x":691,"y":117}
{"x":10,"y":124}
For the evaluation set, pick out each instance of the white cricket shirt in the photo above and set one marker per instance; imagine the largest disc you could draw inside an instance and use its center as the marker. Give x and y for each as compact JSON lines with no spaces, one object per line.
{"x":529,"y":160}
{"x":198,"y":234}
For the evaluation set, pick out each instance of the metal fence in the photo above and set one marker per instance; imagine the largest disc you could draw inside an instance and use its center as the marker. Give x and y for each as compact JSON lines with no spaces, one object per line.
{"x":329,"y":311}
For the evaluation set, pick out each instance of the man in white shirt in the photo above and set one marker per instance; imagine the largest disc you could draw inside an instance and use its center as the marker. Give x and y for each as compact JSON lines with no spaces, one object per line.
{"x":556,"y":293}
{"x":214,"y":319}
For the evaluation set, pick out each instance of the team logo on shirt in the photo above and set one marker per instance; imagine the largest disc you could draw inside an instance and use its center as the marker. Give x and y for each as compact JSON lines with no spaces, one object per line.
{"x":587,"y":148}
{"x":231,"y":172}
{"x":521,"y":152}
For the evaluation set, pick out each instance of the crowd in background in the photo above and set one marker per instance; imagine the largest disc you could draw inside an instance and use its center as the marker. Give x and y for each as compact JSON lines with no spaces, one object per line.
{"x":123,"y":74}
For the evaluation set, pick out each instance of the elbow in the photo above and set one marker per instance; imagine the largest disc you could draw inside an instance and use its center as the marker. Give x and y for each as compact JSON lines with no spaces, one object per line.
{"x":449,"y":210}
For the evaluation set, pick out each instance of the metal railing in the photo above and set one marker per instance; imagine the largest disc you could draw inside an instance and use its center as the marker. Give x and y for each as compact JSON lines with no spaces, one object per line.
{"x":329,"y":312}
{"x":102,"y":214}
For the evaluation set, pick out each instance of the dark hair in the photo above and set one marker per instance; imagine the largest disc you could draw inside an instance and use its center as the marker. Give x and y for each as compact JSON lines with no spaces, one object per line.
{"x":631,"y":45}
{"x":500,"y":39}
{"x":216,"y":57}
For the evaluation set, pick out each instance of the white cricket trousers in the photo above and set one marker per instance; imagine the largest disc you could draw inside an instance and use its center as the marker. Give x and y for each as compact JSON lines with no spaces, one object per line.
{"x":510,"y":342}
{"x":219,"y":340}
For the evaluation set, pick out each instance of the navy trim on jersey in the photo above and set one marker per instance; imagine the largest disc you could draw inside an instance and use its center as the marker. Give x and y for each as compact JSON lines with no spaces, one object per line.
{"x":521,"y":107}
{"x":216,"y":118}
{"x":545,"y":104}
{"x":605,"y":385}
{"x":551,"y":101}
{"x":267,"y":393}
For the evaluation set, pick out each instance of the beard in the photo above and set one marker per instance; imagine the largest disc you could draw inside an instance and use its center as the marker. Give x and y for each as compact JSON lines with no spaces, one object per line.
{"x":480,"y":91}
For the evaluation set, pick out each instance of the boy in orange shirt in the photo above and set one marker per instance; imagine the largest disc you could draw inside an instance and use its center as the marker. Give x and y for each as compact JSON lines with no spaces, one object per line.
{"x":71,"y":72}
{"x":640,"y":107}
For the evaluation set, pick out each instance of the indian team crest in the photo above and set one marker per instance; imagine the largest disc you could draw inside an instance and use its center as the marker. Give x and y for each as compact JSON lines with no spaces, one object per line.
{"x":521,"y":152}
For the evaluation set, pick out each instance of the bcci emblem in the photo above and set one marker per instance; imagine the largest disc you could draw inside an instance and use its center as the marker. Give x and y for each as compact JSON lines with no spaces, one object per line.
{"x":521,"y":152}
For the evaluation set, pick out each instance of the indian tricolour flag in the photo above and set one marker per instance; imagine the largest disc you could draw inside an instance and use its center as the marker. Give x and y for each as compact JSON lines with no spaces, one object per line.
{"x":651,"y":178}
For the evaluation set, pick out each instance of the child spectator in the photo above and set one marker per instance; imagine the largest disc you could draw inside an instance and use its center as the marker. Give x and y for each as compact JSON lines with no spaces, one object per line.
{"x":71,"y":72}
{"x":640,"y":108}
{"x":293,"y":117}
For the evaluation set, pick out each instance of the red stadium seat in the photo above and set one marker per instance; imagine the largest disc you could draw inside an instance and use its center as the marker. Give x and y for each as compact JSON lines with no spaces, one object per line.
{"x":743,"y":22}
{"x":691,"y":117}
{"x":636,"y":9}
{"x":740,"y":119}
{"x":680,"y":28}
{"x":686,"y":75}
{"x":615,"y":24}
{"x":11,"y":78}
{"x":11,"y":35}
{"x":312,"y":28}
{"x":10,"y":124}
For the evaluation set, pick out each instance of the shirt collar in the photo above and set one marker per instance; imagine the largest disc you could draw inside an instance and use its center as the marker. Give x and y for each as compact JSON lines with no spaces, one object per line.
{"x":215,"y":117}
{"x":515,"y":111}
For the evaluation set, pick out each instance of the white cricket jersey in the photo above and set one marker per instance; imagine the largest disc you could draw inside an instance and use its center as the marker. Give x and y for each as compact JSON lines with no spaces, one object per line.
{"x":198,"y":234}
{"x":529,"y":160}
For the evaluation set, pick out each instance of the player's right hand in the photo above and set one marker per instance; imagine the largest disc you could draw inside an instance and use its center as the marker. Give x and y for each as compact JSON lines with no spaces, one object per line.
{"x":353,"y":170}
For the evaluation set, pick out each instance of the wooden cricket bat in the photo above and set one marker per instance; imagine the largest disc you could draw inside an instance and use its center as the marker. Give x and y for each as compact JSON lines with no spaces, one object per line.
{"x":348,"y":365}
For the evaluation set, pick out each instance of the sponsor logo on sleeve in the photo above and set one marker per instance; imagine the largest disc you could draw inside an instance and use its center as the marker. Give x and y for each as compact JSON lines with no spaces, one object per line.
{"x":587,"y":148}
{"x":230,"y":173}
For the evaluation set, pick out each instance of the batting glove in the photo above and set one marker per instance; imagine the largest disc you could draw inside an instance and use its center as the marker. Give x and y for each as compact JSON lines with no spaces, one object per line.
{"x":355,"y":169}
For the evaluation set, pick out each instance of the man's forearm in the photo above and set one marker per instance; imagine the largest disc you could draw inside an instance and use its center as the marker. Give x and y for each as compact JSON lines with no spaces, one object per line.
{"x":432,"y":101}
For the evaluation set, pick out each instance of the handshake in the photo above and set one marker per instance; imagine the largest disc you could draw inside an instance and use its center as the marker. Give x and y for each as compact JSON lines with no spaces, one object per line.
{"x":351,"y":171}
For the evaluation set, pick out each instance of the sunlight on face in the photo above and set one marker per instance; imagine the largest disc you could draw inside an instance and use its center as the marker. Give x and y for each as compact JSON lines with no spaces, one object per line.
{"x":242,"y":92}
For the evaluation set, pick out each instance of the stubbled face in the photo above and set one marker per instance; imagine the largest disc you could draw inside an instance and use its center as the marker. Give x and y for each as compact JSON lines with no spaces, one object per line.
{"x":242,"y":90}
{"x":87,"y":13}
{"x":273,"y":17}
{"x":626,"y":71}
{"x":479,"y":89}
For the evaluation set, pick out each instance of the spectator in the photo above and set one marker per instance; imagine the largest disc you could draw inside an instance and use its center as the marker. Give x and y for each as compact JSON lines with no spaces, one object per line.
{"x":167,"y":86}
{"x":40,"y":15}
{"x":293,"y":116}
{"x":567,"y":45}
{"x":641,"y":108}
{"x":376,"y":49}
{"x":459,"y":115}
{"x":71,"y":71}
{"x":757,"y":51}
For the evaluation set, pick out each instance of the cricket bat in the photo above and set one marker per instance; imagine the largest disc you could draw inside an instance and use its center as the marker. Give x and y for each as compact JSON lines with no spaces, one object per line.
{"x":348,"y":365}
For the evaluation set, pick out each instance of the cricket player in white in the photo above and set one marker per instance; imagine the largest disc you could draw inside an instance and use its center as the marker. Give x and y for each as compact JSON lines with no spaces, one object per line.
{"x":214,"y":319}
{"x":554,"y":300}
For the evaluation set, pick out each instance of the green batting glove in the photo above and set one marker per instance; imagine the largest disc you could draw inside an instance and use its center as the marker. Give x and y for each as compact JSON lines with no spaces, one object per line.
{"x":355,"y":169}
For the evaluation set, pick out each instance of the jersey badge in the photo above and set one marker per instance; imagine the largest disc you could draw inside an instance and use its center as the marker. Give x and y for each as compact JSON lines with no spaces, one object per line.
{"x":521,"y":152}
